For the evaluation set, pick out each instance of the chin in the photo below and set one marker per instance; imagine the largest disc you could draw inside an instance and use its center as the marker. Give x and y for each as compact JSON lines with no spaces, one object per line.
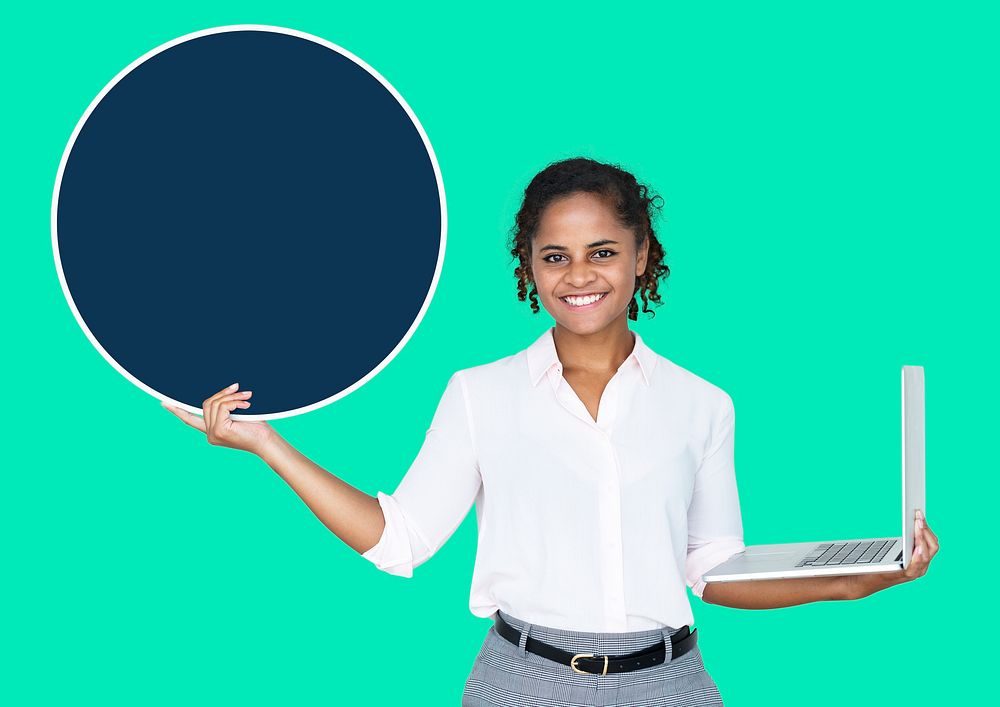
{"x":585,"y":328}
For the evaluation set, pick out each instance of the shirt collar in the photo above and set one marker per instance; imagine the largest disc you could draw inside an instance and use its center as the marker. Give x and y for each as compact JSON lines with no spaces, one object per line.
{"x":542,"y":356}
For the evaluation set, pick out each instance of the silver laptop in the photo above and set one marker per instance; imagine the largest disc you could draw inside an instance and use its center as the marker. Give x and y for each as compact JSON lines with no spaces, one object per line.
{"x":831,"y":557}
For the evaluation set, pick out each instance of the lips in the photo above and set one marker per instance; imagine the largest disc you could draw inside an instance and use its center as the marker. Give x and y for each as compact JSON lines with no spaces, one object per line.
{"x":578,"y":308}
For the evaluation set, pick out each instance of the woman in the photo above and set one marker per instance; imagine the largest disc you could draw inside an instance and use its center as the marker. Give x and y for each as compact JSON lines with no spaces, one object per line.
{"x":602,"y":474}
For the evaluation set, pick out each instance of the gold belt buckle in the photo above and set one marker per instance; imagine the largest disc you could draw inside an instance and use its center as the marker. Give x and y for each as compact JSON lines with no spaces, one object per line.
{"x":572,"y":664}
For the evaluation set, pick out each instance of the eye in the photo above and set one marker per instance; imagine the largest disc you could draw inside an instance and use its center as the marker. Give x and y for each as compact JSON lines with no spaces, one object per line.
{"x":602,"y":250}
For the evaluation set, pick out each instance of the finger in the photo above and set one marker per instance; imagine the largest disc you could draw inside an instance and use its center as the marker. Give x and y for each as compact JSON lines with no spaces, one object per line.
{"x":186,"y":417}
{"x":208,"y":407}
{"x":206,"y":412}
{"x":923,"y":560}
{"x":224,"y":403}
{"x":920,"y":566}
{"x":228,"y":389}
{"x":930,"y":542}
{"x":223,"y":408}
{"x":930,"y":533}
{"x":242,"y":395}
{"x":918,"y":553}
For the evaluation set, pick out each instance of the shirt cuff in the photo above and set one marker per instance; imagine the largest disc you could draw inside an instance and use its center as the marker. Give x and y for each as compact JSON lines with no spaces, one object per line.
{"x":392,"y":553}
{"x":706,"y":558}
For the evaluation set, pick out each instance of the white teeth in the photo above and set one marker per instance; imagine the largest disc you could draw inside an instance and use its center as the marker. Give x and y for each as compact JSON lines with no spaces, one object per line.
{"x":580,"y":301}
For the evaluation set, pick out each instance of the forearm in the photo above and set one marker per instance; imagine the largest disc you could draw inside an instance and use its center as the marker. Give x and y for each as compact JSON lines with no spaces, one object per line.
{"x":776,"y":593}
{"x":350,"y":514}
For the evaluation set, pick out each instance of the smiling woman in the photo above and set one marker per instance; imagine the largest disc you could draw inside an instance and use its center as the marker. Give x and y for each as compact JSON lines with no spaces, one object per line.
{"x":602,"y":472}
{"x":583,"y":211}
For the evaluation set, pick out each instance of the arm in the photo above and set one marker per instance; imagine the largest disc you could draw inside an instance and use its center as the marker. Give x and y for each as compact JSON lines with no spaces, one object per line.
{"x":715,"y":533}
{"x":400,"y":531}
{"x":352,"y":515}
{"x":714,"y":522}
{"x":776,"y":593}
{"x":436,"y":492}
{"x":349,"y":513}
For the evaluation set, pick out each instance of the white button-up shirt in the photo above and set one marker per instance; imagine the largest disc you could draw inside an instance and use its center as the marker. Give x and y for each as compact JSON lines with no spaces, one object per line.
{"x":583,"y":525}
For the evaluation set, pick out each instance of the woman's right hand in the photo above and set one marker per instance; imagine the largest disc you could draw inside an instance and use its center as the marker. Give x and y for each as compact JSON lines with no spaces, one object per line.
{"x":221,"y":429}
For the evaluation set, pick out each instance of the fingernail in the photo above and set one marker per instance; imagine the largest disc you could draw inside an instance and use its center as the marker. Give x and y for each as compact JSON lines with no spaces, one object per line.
{"x":233,"y":386}
{"x":920,"y":522}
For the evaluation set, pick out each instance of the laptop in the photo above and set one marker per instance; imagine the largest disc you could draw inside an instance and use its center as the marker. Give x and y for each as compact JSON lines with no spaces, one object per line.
{"x":833,"y":557}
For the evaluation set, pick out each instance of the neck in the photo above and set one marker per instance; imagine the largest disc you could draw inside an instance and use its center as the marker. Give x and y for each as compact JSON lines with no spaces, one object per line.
{"x":600,"y":353}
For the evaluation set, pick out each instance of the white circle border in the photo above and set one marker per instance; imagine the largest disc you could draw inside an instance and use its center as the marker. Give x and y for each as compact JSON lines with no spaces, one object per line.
{"x":240,"y":28}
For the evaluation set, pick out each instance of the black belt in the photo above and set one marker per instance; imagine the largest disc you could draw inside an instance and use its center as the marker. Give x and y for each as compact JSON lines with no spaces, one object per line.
{"x":682,"y":641}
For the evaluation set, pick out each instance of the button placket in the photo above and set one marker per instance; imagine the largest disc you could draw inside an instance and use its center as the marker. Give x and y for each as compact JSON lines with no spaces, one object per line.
{"x":613,"y":560}
{"x":609,"y":504}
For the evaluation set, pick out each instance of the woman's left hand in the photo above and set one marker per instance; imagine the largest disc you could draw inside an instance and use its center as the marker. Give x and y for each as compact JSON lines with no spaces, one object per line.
{"x":925,"y":546}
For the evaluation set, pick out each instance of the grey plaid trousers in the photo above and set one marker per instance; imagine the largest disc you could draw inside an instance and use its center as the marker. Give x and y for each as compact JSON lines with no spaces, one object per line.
{"x":507,"y":675}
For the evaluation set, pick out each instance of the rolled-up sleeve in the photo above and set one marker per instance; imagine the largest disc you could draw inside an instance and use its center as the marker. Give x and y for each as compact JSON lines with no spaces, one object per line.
{"x":436,"y":492}
{"x":715,"y":525}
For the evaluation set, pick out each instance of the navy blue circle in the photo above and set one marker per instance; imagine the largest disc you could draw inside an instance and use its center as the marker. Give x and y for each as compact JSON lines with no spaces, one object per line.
{"x":249,"y":206}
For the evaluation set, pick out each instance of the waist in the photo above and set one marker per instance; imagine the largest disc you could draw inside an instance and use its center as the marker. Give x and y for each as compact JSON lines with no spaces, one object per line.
{"x":591,"y":641}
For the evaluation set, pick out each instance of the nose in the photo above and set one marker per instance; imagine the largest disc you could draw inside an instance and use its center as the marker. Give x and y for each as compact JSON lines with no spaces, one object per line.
{"x":580,"y":273}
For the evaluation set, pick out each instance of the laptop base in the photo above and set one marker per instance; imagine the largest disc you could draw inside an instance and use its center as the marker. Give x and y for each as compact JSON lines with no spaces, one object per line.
{"x":779,"y":561}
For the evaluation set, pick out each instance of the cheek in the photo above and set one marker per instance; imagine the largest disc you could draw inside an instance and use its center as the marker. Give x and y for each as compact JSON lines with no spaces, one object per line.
{"x":543,"y":281}
{"x":624,"y":277}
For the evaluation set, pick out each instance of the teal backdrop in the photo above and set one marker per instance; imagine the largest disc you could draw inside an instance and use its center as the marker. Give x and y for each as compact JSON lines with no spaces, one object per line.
{"x":830,"y":182}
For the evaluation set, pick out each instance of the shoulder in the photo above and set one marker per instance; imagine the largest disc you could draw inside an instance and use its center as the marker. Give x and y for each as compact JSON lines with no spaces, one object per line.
{"x":678,"y":378}
{"x":503,"y":372}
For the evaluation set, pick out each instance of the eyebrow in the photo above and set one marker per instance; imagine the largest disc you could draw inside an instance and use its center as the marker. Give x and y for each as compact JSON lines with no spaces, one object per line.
{"x":589,"y":245}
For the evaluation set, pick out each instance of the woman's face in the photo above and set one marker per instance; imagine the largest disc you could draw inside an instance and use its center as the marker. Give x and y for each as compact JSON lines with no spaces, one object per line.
{"x":581,"y":249}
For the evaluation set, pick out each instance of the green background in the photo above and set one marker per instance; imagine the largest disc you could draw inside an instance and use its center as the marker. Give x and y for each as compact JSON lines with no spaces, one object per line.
{"x":830,"y":183}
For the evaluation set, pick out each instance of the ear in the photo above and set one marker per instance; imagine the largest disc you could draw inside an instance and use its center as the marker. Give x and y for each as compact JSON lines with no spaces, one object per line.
{"x":640,"y":261}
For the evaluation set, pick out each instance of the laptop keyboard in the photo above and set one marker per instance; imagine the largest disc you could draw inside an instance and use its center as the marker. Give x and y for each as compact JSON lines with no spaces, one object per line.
{"x":862,"y":552}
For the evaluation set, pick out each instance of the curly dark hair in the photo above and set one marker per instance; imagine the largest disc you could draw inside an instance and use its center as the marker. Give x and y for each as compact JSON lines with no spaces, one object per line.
{"x":633,"y":205}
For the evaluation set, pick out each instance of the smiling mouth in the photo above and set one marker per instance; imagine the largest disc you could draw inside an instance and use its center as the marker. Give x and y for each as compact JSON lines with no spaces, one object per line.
{"x":583,"y":302}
